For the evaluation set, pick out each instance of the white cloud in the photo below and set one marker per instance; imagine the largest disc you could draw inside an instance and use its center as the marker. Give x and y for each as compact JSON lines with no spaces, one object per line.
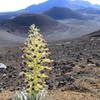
{"x":12,"y":5}
{"x":94,"y":1}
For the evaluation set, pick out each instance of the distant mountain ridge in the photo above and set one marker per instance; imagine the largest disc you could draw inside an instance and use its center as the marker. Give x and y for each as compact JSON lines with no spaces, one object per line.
{"x":60,"y":13}
{"x":42,"y":7}
{"x":73,"y":4}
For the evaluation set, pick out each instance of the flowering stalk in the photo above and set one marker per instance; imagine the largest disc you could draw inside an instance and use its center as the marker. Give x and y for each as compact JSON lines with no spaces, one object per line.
{"x":35,"y":59}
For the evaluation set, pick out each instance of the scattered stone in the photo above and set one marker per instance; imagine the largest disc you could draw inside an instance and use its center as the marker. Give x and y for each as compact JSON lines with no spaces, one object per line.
{"x":2,"y":66}
{"x":97,"y":64}
{"x":4,"y":75}
{"x":91,"y":65}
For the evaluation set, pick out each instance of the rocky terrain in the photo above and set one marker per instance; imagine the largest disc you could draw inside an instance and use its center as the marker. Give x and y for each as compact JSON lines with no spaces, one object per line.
{"x":76,"y":65}
{"x":76,"y":68}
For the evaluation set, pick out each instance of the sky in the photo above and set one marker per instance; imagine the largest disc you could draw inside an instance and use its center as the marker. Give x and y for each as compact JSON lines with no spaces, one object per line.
{"x":12,"y":5}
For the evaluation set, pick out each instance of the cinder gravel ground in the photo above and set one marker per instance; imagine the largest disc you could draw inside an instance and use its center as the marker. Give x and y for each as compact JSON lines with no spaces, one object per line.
{"x":76,"y":69}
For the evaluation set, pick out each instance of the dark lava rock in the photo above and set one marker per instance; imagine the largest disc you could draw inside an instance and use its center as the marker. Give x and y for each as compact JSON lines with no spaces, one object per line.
{"x":63,"y":80}
{"x":97,"y":64}
{"x":9,"y":78}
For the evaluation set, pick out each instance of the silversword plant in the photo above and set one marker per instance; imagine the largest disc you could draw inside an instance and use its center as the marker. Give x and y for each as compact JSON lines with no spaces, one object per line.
{"x":35,"y":59}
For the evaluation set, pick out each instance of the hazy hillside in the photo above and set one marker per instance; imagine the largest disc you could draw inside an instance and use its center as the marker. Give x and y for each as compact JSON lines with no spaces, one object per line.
{"x":61,"y":13}
{"x":7,"y":38}
{"x":95,"y":34}
{"x":39,"y":20}
{"x":21,"y":23}
{"x":7,"y":15}
{"x":52,"y":30}
{"x":90,"y":10}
